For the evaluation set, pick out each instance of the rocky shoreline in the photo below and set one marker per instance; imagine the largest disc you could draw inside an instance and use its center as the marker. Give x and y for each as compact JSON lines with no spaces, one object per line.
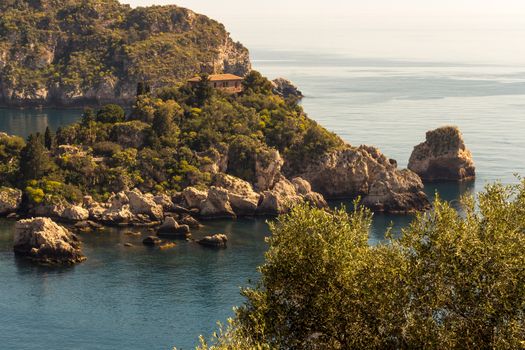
{"x":345,"y":173}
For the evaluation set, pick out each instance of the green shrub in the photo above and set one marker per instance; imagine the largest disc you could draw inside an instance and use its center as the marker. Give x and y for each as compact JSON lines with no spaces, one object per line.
{"x":111,"y":114}
{"x":451,"y":281}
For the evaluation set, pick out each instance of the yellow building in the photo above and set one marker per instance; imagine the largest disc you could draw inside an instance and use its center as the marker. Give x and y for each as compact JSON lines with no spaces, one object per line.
{"x":225,"y":82}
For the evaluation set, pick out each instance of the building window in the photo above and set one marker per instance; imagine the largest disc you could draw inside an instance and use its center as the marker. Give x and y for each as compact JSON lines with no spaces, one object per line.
{"x":214,"y":85}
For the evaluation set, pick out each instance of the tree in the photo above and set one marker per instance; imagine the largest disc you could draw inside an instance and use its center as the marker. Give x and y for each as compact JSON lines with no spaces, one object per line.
{"x":143,"y":88}
{"x":49,"y":139}
{"x":254,"y":82}
{"x":111,"y":113}
{"x":35,"y":162}
{"x":88,"y":117}
{"x":452,"y":280}
{"x":203,"y":90}
{"x":165,"y":116}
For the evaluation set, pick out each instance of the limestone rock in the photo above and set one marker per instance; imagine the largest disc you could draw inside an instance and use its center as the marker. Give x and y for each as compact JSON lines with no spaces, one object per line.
{"x":443,"y":157}
{"x":43,"y":241}
{"x":242,"y":197}
{"x":194,"y":197}
{"x":170,"y":228}
{"x":218,"y":240}
{"x":301,"y":185}
{"x":144,"y":204}
{"x":350,"y":172}
{"x":217,"y":204}
{"x":280,"y":199}
{"x":190,"y":221}
{"x":10,"y":200}
{"x":75,"y":213}
{"x":268,"y":167}
{"x":165,"y":201}
{"x":152,"y":241}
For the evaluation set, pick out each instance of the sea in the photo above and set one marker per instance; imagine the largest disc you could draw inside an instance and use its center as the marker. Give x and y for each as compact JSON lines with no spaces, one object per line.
{"x":138,"y":298}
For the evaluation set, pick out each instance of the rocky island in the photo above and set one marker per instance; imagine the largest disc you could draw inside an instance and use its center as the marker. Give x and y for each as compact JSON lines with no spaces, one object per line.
{"x":443,"y":157}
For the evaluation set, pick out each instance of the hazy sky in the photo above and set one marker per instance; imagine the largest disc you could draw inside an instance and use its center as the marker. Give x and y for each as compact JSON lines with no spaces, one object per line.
{"x":465,"y":30}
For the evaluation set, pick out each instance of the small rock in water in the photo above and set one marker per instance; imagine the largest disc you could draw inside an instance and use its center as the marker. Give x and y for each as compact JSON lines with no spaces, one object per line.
{"x":130,"y":233}
{"x":171,"y":228}
{"x":128,"y":245}
{"x":168,"y":245}
{"x":218,"y":240}
{"x":152,"y":241}
{"x":13,"y":216}
{"x":190,"y":221}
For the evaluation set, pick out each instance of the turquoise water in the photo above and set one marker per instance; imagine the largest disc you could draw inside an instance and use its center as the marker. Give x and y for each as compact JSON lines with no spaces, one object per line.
{"x":138,"y":298}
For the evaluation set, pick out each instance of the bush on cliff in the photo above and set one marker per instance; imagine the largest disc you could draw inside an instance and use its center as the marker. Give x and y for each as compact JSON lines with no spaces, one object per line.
{"x":452,"y":280}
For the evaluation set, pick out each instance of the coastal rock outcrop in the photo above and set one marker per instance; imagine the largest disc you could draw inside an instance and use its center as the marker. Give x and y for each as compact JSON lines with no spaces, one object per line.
{"x":268,"y":167}
{"x":171,"y":228}
{"x":443,"y":157}
{"x":286,"y":194}
{"x":217,"y":241}
{"x":44,"y":241}
{"x":364,"y":171}
{"x":193,"y":197}
{"x":285,"y":88}
{"x":129,"y":207}
{"x":10,"y":200}
{"x":242,"y":197}
{"x":217,"y":204}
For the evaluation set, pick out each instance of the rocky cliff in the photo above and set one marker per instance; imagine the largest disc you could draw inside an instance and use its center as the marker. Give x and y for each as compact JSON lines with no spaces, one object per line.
{"x":96,"y":51}
{"x":364,"y":171}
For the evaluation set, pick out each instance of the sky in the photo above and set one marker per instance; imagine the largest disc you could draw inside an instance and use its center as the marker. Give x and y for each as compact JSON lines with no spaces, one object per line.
{"x":486,"y":31}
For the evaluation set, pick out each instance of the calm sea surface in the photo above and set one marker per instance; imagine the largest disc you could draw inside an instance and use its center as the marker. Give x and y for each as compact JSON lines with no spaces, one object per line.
{"x":138,"y":298}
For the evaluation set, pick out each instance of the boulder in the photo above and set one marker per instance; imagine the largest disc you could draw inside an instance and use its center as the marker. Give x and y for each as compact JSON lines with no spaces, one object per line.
{"x":75,"y":213}
{"x":10,"y":200}
{"x":443,"y":157}
{"x":242,"y":197}
{"x":218,"y":240}
{"x":301,"y":185}
{"x":190,"y":221}
{"x":349,"y":172}
{"x":171,"y":228}
{"x":87,"y":226}
{"x":43,"y":241}
{"x":118,"y":215}
{"x":144,"y":204}
{"x":268,"y":167}
{"x":194,"y":197}
{"x":285,"y":88}
{"x":217,"y":204}
{"x":279,"y":199}
{"x":165,"y":201}
{"x":152,"y":241}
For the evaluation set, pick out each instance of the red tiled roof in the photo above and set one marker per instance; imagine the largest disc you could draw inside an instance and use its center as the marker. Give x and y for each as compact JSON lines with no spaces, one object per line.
{"x":218,"y":77}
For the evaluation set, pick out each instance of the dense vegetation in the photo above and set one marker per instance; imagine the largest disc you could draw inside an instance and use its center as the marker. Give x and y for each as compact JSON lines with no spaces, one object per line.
{"x":97,"y":50}
{"x":451,"y":281}
{"x":168,"y":141}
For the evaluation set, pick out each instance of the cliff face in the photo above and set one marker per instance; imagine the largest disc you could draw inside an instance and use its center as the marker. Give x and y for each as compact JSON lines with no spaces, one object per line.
{"x":96,"y":51}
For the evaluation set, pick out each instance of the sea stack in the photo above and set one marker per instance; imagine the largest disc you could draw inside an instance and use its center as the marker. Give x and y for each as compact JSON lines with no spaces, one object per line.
{"x":45,"y":242}
{"x":443,"y":157}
